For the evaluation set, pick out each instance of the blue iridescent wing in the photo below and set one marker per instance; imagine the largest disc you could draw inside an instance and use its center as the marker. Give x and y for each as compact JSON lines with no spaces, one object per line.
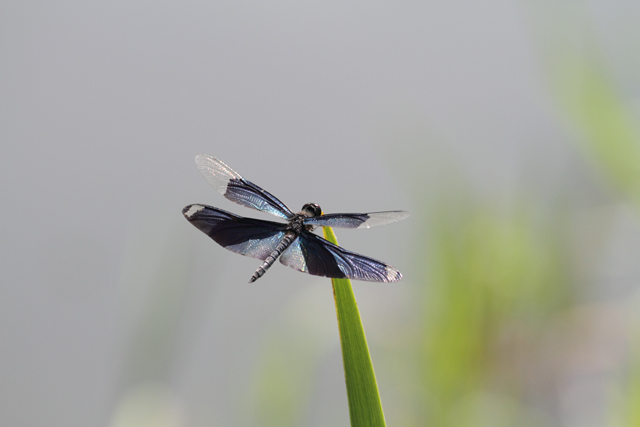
{"x":357,"y":220}
{"x":312,"y":254}
{"x":231,"y":185}
{"x":244,"y":236}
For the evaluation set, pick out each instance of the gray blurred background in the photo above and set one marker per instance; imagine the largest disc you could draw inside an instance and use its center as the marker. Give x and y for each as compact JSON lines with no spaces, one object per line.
{"x":508,"y":129}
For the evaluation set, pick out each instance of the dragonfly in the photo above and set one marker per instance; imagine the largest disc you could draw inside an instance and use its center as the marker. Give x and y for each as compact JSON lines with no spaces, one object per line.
{"x":293,"y":242}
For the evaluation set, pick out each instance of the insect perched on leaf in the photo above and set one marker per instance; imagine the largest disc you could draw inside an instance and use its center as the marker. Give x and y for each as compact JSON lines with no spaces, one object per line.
{"x":292,"y":242}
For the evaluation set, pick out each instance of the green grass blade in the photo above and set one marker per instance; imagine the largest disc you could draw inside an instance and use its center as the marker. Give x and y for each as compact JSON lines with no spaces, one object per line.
{"x":365,"y":407}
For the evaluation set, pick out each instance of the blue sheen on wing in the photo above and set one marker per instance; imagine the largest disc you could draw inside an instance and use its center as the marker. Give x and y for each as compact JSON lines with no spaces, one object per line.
{"x":250,"y":195}
{"x":234,"y":187}
{"x":257,"y":248}
{"x":245,"y":236}
{"x":357,"y":220}
{"x":312,"y":254}
{"x":294,"y":258}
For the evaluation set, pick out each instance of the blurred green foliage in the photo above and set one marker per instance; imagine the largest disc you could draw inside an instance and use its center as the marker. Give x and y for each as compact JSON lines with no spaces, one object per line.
{"x":610,"y":135}
{"x":625,"y":408}
{"x":599,"y":108}
{"x":282,"y":386}
{"x":495,"y":282}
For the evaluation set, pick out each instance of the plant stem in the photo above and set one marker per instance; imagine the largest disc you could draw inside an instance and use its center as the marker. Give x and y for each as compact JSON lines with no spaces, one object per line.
{"x":365,"y":407}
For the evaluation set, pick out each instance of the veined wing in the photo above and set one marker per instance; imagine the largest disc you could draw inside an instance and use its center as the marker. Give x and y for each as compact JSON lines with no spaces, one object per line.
{"x":245,"y":236}
{"x":312,"y":254}
{"x":231,"y":185}
{"x":357,"y":220}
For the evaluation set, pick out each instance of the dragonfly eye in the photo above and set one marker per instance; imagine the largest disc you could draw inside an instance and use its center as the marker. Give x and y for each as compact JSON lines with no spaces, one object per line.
{"x":311,"y":210}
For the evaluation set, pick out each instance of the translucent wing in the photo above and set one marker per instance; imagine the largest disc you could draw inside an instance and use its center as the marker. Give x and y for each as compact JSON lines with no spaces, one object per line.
{"x":237,"y":189}
{"x":244,"y":236}
{"x":312,"y":254}
{"x":357,"y":220}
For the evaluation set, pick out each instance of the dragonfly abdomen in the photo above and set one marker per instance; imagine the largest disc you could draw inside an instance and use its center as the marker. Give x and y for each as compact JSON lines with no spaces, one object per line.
{"x":286,"y":241}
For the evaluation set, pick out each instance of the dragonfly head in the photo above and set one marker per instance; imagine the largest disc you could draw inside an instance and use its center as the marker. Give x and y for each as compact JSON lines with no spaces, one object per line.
{"x":311,"y":210}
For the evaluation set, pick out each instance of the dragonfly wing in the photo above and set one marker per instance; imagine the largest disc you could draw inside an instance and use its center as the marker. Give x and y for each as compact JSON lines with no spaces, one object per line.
{"x":234,"y":187}
{"x":357,"y":220}
{"x":314,"y":255}
{"x":245,"y":236}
